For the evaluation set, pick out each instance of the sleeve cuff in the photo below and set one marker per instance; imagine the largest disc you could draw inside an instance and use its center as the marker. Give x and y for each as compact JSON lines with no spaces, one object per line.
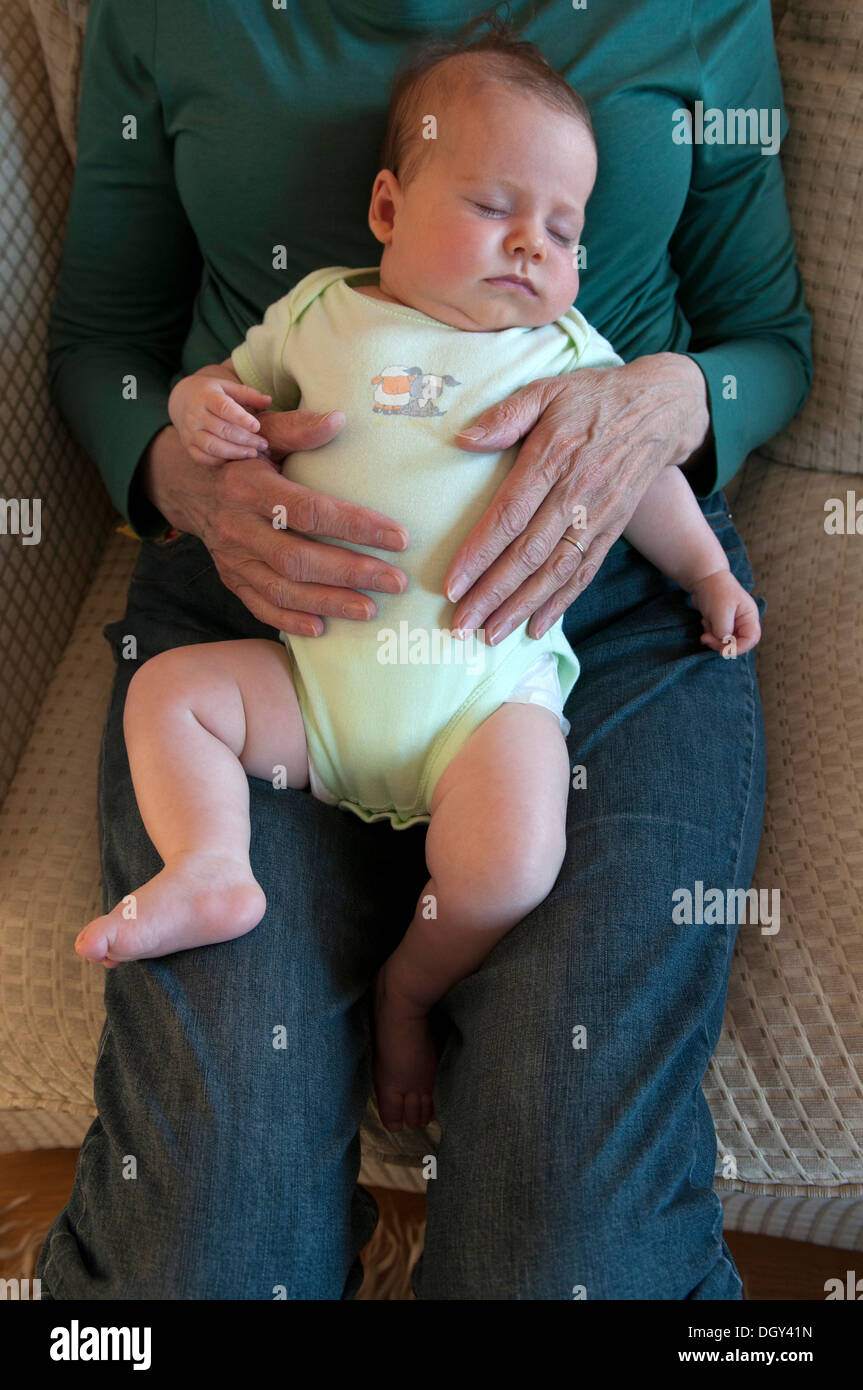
{"x":145,"y":521}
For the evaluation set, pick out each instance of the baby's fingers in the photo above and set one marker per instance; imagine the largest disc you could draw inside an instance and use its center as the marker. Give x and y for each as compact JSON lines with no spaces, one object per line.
{"x":226,"y":418}
{"x":238,"y":395}
{"x":748,"y":629}
{"x":208,"y":448}
{"x":733,"y":636}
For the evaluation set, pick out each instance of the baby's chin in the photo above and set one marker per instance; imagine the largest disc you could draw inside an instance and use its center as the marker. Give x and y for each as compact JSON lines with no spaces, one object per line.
{"x":486,"y":312}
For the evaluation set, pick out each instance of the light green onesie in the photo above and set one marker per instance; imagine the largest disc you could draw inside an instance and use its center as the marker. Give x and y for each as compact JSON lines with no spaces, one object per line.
{"x":388,"y":703}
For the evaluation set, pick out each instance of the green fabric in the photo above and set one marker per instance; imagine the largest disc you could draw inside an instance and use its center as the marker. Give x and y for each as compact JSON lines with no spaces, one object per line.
{"x":257,"y":141}
{"x":380,"y":732}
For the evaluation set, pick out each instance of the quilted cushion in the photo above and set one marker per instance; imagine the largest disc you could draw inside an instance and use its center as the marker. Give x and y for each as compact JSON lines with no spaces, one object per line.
{"x":785,"y":1084}
{"x":820,"y":49}
{"x":41,"y":584}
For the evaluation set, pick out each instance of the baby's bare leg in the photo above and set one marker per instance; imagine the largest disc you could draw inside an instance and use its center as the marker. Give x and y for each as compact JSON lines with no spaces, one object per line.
{"x":196,"y":720}
{"x":494,"y":849}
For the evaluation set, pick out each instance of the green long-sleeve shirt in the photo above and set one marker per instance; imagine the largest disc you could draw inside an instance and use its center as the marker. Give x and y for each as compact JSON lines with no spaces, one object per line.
{"x":225,"y":151}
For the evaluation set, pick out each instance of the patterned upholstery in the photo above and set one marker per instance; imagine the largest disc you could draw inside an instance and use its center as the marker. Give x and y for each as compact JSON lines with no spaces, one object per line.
{"x":786,"y":1083}
{"x":41,"y":585}
{"x":820,"y":49}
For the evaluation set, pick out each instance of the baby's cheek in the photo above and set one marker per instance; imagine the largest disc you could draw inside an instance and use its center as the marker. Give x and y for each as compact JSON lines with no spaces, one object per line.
{"x":463,"y":251}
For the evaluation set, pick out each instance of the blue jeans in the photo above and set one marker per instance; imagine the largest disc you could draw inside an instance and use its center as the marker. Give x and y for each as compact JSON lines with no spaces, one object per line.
{"x":560,"y":1166}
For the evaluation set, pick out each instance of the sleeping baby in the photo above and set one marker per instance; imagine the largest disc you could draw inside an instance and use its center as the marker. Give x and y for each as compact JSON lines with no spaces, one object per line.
{"x":399,"y":719}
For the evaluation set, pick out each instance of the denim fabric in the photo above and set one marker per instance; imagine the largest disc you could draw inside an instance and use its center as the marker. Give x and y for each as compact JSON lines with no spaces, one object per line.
{"x":560,"y":1168}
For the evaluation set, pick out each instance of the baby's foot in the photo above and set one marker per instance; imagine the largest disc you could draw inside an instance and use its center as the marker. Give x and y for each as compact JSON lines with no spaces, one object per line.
{"x":196,"y":900}
{"x":405,"y":1059}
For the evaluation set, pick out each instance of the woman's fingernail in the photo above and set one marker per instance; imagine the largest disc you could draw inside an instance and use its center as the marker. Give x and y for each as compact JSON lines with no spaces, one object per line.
{"x":457,"y":587}
{"x":468,"y":622}
{"x":389,"y":583}
{"x":391,"y":540}
{"x":541,"y":630}
{"x":472,"y":432}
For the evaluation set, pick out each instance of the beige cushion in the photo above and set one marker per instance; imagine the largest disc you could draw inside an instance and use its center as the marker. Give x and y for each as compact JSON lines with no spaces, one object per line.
{"x":41,"y":585}
{"x":786,"y":1082}
{"x":820,"y":51}
{"x":60,"y":26}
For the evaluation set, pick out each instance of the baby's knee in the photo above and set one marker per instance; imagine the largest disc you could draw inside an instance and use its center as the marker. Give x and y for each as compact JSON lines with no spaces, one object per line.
{"x":508,"y":877}
{"x":527,"y":866}
{"x":161,"y":678}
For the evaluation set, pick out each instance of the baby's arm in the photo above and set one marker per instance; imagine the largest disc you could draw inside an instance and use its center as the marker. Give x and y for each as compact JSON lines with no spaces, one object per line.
{"x":669,"y":528}
{"x":207,"y":410}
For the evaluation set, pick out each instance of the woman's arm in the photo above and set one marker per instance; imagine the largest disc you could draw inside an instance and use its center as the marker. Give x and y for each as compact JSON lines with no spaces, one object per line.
{"x":131,"y":264}
{"x":734,"y":249}
{"x":130,"y":272}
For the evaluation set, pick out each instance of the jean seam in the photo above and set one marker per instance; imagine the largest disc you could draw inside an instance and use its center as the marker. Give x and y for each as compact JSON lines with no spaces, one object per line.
{"x":76,"y":1224}
{"x":744,"y":800}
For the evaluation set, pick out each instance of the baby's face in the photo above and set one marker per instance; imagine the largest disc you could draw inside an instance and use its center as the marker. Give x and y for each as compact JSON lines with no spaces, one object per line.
{"x":485,"y":236}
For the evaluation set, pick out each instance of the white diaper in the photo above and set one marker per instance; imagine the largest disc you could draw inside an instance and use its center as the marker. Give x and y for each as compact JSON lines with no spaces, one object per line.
{"x":318,"y":788}
{"x":540,"y":685}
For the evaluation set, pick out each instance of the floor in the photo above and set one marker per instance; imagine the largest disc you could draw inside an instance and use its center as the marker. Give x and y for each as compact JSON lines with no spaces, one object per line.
{"x":34,"y":1185}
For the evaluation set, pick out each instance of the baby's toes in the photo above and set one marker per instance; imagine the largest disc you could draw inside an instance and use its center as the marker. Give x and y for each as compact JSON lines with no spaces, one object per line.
{"x":418,"y":1109}
{"x":110,"y":942}
{"x":391,"y":1107}
{"x":413,"y":1109}
{"x":93,"y":942}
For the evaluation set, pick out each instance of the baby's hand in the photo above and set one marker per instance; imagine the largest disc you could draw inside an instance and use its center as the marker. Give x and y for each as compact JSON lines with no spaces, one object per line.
{"x":729,"y":615}
{"x":211,"y":423}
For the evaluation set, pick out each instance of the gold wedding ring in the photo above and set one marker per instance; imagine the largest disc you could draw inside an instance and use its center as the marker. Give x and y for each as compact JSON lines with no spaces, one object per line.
{"x":578,"y":545}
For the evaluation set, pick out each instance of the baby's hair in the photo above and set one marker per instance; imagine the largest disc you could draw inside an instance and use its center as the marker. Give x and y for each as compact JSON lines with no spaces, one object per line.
{"x":423,"y":83}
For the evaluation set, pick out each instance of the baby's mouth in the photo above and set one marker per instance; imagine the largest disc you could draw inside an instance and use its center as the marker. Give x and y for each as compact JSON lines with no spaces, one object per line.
{"x":512,"y":282}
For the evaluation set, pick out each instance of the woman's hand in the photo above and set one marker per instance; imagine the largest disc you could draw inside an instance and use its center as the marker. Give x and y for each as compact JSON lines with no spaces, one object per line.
{"x":283,"y":578}
{"x":594,"y":439}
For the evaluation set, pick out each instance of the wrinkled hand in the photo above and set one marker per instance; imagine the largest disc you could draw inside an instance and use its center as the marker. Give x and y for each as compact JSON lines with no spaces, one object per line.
{"x":286,"y":578}
{"x":594,"y":439}
{"x":279,"y":430}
